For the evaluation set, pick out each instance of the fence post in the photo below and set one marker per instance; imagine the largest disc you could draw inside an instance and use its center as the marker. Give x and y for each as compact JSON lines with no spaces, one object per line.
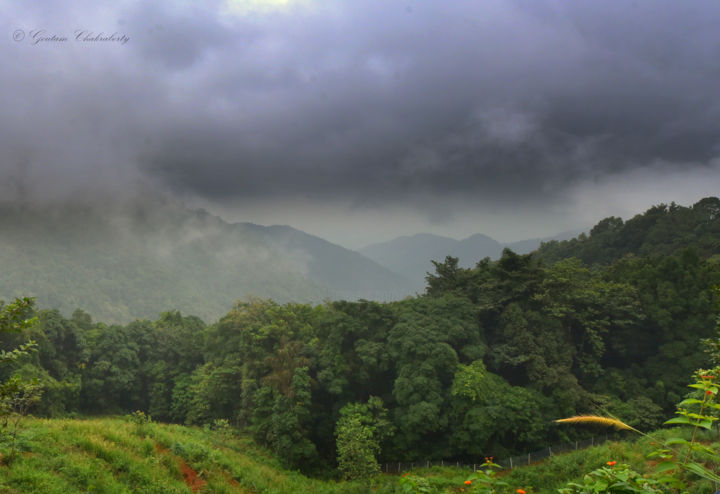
{"x":511,"y":465}
{"x":474,"y":467}
{"x":442,"y":463}
{"x":549,"y":451}
{"x":576,"y":445}
{"x":427,"y":464}
{"x":398,"y":467}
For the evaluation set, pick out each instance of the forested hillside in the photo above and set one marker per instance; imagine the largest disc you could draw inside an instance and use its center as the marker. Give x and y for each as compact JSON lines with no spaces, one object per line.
{"x":661,"y":231}
{"x":480,"y":364}
{"x":127,"y":262}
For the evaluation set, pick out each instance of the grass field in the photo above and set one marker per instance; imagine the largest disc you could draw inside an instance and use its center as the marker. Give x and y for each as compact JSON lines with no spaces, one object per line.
{"x":112,"y":455}
{"x":115,"y":455}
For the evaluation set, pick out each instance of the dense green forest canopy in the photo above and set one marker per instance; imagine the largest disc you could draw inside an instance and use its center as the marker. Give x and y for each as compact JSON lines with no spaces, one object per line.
{"x":661,"y":231}
{"x":478,"y":365}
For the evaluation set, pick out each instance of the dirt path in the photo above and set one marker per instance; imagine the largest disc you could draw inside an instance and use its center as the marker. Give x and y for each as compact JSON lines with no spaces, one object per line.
{"x":190,"y":476}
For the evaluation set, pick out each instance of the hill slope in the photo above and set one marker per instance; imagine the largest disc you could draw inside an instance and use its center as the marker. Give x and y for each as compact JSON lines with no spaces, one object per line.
{"x":135,"y":262}
{"x":660,"y":231}
{"x":112,"y":455}
{"x":411,"y":256}
{"x":63,"y":456}
{"x":349,"y":274}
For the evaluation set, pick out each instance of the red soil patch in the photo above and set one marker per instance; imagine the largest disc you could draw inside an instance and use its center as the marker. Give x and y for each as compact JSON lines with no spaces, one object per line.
{"x":190,"y":476}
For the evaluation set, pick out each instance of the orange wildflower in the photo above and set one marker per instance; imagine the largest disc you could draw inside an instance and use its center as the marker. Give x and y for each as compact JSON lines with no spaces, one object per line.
{"x":468,"y":482}
{"x":611,"y":463}
{"x":520,"y":491}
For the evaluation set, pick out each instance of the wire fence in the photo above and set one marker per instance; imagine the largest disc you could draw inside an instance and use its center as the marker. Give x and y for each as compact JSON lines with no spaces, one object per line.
{"x":506,"y":463}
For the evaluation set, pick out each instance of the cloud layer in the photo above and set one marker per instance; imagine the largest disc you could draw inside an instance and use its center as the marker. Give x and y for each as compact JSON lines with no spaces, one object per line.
{"x":448,"y":115}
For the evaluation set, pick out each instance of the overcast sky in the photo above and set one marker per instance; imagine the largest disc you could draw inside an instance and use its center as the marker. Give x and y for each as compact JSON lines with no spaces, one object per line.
{"x":363,"y":120}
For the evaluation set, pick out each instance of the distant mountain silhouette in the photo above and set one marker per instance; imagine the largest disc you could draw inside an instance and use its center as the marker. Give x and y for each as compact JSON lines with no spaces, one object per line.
{"x":412,"y":256}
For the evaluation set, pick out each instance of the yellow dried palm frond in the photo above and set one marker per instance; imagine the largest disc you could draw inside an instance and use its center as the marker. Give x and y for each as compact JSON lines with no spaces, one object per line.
{"x":597,"y":420}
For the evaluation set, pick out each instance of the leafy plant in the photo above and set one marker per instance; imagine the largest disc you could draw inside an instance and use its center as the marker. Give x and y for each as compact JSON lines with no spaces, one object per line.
{"x":677,"y":458}
{"x":16,"y":398}
{"x":696,"y":411}
{"x":413,"y":484}
{"x":615,"y":478}
{"x":142,"y":422}
{"x":222,"y":428}
{"x":485,"y":480}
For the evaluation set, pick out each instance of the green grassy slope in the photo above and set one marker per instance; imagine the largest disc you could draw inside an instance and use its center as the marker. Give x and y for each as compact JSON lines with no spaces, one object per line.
{"x":110,"y":455}
{"x":113,"y":455}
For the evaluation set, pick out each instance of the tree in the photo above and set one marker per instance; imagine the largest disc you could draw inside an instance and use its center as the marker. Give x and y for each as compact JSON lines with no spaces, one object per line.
{"x":490,"y":415}
{"x":446,"y":278}
{"x":283,"y":422}
{"x":16,"y":395}
{"x":424,"y":344}
{"x":360,"y":431}
{"x":356,"y":448}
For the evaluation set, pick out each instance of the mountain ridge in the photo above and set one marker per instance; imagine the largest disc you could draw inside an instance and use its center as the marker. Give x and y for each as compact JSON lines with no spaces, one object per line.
{"x":411,"y":255}
{"x":135,"y":262}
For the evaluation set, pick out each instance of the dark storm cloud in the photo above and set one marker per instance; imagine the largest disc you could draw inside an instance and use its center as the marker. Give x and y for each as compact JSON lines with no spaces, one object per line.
{"x":488,"y":100}
{"x":372,"y":103}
